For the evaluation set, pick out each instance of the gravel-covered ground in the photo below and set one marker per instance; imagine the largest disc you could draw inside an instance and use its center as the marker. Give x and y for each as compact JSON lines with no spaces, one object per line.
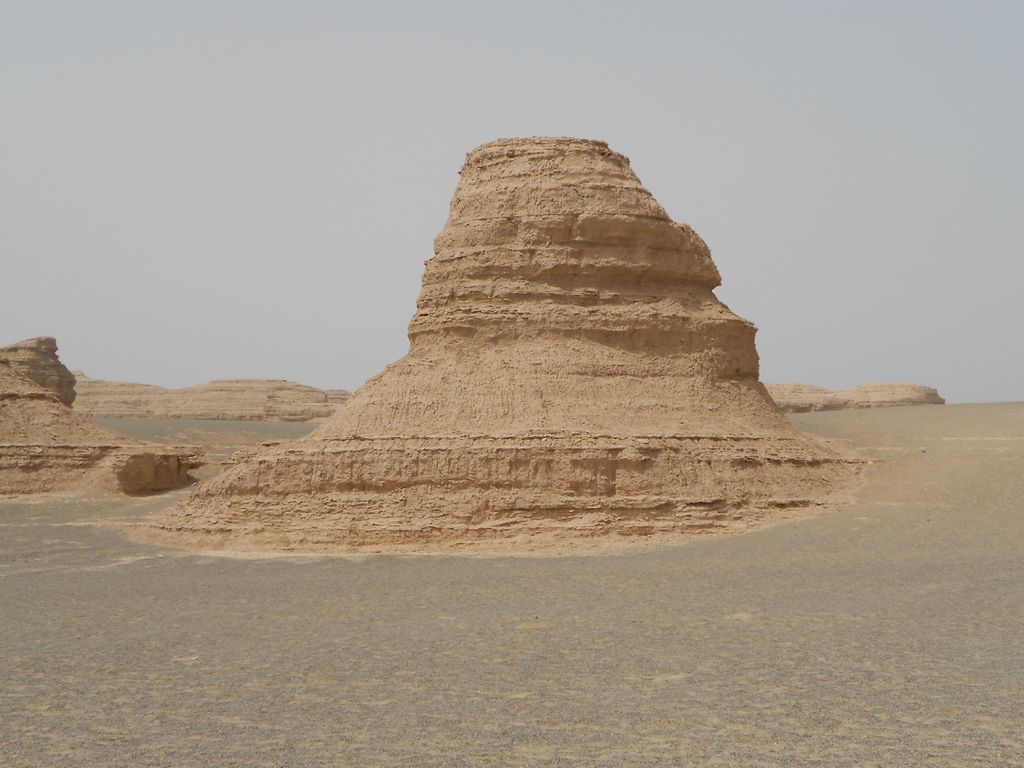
{"x":886,"y":632}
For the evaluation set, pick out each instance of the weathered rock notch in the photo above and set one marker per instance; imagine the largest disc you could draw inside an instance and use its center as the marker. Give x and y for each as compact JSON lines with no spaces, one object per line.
{"x":570,"y":373}
{"x":47,"y":447}
{"x":36,"y":359}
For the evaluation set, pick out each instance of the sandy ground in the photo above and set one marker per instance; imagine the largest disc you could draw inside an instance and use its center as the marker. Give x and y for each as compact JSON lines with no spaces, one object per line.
{"x":886,"y":632}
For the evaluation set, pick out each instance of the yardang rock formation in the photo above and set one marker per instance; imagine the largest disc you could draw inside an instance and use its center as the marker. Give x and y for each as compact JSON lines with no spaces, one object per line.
{"x":233,"y":399}
{"x":45,"y":446}
{"x":800,"y":398}
{"x":570,"y":373}
{"x":36,"y":359}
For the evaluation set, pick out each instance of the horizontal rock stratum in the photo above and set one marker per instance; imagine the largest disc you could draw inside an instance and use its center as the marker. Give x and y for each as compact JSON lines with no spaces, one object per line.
{"x":36,"y":359}
{"x":800,"y":398}
{"x":571,"y":375}
{"x":237,"y":399}
{"x":45,"y":446}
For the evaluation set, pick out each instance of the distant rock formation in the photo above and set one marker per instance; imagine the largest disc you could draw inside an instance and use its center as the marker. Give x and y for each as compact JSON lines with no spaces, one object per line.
{"x":36,"y":359}
{"x":800,"y":398}
{"x":571,"y":374}
{"x":237,"y":399}
{"x":45,"y":446}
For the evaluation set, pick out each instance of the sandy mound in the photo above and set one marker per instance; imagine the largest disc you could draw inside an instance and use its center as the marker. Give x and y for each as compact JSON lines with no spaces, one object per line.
{"x":570,"y":373}
{"x":232,"y":399}
{"x":800,"y":398}
{"x":45,"y":446}
{"x":36,"y":360}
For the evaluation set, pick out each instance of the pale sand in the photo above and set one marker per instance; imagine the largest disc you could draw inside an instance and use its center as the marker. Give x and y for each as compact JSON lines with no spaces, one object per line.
{"x":886,"y":632}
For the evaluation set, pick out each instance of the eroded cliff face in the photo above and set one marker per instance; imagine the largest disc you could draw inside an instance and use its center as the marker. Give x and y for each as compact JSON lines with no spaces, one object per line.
{"x":571,"y":374}
{"x":230,"y":399}
{"x":47,"y":447}
{"x":36,"y":359}
{"x":801,"y":398}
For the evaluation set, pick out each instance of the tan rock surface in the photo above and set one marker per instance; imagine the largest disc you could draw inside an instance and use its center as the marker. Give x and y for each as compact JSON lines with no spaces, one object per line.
{"x":571,"y":374}
{"x":890,"y":394}
{"x":230,"y":399}
{"x":801,"y":398}
{"x":45,"y":446}
{"x":36,"y":359}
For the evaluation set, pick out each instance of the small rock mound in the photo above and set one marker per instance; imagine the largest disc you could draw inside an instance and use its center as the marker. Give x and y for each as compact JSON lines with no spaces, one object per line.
{"x":45,"y":446}
{"x":801,"y":398}
{"x":230,"y":399}
{"x":36,"y":359}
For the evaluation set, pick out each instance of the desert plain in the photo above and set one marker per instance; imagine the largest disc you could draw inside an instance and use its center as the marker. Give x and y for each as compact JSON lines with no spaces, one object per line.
{"x":571,"y":526}
{"x":885,"y":629}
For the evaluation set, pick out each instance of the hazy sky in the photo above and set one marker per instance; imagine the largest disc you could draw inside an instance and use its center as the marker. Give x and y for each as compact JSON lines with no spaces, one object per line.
{"x":200,"y":190}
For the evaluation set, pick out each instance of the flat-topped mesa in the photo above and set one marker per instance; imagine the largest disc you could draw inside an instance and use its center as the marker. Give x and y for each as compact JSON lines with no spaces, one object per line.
{"x":801,"y":398}
{"x":117,"y":399}
{"x":36,"y":359}
{"x":254,"y":400}
{"x":888,"y":394}
{"x":571,"y":374}
{"x":227,"y":399}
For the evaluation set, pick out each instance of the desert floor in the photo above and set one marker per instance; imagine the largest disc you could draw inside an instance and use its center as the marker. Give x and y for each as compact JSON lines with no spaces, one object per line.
{"x":889,"y":631}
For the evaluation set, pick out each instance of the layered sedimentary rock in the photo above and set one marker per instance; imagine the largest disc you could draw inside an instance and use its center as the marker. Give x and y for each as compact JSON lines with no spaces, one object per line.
{"x":801,"y":398}
{"x":239,"y":399}
{"x":570,"y":374}
{"x":36,"y":360}
{"x":45,"y":446}
{"x":890,"y":394}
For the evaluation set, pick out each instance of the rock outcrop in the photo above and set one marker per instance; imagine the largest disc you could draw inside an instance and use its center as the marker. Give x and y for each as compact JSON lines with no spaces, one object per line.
{"x":238,"y":399}
{"x":45,"y":446}
{"x":801,"y":398}
{"x":571,"y":374}
{"x":36,"y":360}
